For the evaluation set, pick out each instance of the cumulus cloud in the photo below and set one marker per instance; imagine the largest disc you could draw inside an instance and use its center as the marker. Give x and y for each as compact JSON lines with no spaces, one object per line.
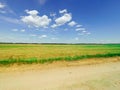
{"x":80,"y":29}
{"x":2,"y":5}
{"x":63,"y":11}
{"x":42,"y":36}
{"x":72,"y":23}
{"x":65,"y":18}
{"x":33,"y":19}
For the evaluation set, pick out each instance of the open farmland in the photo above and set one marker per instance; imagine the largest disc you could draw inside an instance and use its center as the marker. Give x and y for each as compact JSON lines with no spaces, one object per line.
{"x":37,"y":53}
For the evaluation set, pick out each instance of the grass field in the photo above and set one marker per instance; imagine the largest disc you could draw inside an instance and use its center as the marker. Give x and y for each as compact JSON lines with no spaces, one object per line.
{"x":36,"y":53}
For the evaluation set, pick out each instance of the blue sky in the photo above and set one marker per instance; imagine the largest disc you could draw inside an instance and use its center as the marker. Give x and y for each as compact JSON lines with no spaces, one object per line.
{"x":60,"y":21}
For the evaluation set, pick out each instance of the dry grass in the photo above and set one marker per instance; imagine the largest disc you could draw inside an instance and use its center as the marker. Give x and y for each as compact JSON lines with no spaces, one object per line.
{"x":48,"y":51}
{"x":34,"y":52}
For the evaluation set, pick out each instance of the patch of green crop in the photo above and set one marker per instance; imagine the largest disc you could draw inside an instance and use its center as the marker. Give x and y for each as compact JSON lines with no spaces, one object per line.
{"x":50,"y":60}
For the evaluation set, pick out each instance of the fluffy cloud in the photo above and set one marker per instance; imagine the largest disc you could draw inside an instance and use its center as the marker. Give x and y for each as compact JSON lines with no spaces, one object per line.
{"x":2,"y":5}
{"x":65,"y":18}
{"x":80,"y":29}
{"x":33,"y":19}
{"x":72,"y":23}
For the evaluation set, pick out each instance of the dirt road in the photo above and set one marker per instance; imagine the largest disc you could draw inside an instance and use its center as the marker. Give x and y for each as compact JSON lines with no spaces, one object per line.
{"x":105,"y":76}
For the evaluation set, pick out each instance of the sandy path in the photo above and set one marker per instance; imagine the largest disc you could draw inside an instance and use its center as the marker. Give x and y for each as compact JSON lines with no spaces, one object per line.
{"x":104,"y":76}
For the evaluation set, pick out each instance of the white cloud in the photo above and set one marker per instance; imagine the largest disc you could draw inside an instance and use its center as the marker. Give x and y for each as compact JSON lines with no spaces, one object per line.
{"x":63,"y":11}
{"x":63,"y":19}
{"x":14,"y":30}
{"x":78,"y":26}
{"x":33,"y":19}
{"x":72,"y":23}
{"x":80,"y":29}
{"x":42,"y":36}
{"x":23,"y":30}
{"x":2,"y":5}
{"x":32,"y":12}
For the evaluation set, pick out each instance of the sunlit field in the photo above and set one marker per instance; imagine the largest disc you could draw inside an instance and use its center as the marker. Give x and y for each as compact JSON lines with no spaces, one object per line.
{"x":37,"y":53}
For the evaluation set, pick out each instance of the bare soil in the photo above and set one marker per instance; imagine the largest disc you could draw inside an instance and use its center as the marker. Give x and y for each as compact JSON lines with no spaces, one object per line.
{"x":92,"y":74}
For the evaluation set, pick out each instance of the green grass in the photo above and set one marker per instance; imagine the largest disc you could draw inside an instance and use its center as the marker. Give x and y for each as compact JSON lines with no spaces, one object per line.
{"x":50,"y":60}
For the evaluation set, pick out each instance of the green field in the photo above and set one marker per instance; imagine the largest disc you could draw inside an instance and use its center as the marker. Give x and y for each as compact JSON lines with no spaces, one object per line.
{"x":37,"y":53}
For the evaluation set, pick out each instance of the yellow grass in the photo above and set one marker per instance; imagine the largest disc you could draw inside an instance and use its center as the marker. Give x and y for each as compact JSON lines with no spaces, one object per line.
{"x":50,"y":51}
